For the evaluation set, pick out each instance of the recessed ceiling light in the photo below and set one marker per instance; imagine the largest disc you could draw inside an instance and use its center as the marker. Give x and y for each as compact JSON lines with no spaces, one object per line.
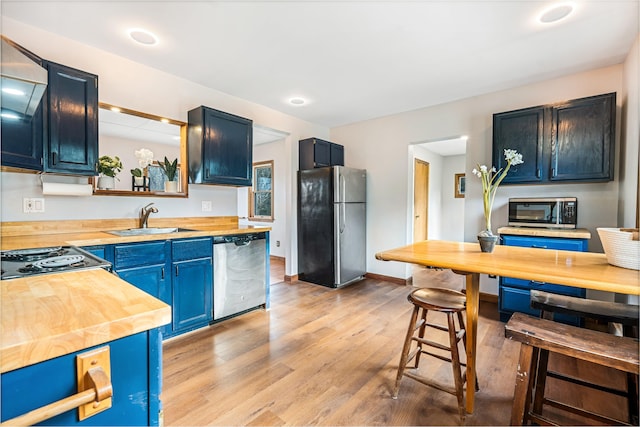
{"x":297,"y":101}
{"x":143,"y":36}
{"x":555,"y":13}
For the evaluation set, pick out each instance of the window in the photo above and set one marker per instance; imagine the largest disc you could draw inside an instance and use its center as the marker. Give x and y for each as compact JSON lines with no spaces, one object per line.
{"x":261,"y":193}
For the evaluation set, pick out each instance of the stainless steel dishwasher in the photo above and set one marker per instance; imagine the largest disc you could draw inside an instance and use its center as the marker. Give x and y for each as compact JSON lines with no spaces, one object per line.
{"x":239,"y":273}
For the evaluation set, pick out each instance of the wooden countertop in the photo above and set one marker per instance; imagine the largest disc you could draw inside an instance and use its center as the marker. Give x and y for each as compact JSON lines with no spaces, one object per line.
{"x":578,"y":269}
{"x":50,"y":315}
{"x":576,"y":233}
{"x":38,"y":234}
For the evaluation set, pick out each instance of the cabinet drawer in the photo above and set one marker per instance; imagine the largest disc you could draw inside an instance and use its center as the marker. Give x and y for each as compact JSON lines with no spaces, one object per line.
{"x":513,"y":299}
{"x":542,"y":286}
{"x":187,"y":249}
{"x":138,"y":254}
{"x":579,"y":245}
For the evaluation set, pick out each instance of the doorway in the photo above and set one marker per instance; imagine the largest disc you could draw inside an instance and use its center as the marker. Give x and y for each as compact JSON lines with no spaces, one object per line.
{"x":420,"y":200}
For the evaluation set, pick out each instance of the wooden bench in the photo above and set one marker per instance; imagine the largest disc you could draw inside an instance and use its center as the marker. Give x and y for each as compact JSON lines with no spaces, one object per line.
{"x":536,"y":334}
{"x":626,"y":315}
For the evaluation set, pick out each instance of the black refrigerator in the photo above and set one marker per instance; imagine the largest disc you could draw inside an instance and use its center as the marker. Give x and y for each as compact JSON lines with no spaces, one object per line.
{"x":331,"y":225}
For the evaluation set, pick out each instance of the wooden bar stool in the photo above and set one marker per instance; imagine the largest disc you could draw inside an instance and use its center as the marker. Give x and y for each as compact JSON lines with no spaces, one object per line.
{"x":610,"y":312}
{"x":536,"y":335}
{"x":453,"y":304}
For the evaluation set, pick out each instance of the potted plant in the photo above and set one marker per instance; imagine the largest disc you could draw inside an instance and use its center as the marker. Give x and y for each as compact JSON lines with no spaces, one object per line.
{"x":170,"y":170}
{"x":108,"y":168}
{"x":491,"y":179}
{"x":145,"y":158}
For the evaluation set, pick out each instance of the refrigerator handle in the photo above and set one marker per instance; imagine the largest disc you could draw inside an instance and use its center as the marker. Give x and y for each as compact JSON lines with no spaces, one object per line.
{"x":343,"y":217}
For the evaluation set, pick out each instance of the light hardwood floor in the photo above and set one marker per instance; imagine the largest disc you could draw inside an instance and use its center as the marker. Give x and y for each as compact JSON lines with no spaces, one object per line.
{"x":325,"y":356}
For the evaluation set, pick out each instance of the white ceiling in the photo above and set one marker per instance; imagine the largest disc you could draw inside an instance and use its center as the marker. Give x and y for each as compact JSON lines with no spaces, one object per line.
{"x":353,"y":60}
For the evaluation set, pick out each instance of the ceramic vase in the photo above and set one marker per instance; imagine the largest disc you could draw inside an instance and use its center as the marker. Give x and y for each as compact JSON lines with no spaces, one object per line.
{"x":171,"y":186}
{"x":487,"y":241}
{"x":106,"y":183}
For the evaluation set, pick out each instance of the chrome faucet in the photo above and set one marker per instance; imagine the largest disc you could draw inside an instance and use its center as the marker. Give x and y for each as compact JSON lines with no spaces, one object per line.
{"x":144,"y":214}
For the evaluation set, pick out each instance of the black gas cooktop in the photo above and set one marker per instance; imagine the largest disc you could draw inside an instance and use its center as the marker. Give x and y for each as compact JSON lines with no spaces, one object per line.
{"x":54,"y":259}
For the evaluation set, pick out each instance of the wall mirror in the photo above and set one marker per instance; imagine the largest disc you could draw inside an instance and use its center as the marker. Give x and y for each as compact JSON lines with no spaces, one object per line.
{"x":122,"y":132}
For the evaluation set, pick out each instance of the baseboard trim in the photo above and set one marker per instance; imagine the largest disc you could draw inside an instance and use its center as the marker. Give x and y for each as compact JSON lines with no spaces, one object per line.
{"x":409,"y":282}
{"x":290,"y":279}
{"x":388,"y":278}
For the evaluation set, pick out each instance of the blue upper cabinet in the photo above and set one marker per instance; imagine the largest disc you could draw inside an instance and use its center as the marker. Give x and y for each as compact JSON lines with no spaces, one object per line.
{"x":220,"y":147}
{"x":71,"y":117}
{"x":318,"y":153}
{"x":572,"y":141}
{"x":62,"y":135}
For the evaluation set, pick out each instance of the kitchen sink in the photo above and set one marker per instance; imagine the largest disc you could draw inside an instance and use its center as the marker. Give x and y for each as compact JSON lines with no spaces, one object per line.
{"x":148,"y":230}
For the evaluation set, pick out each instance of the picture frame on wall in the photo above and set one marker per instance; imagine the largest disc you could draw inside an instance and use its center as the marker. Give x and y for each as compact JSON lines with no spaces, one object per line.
{"x":459,"y":186}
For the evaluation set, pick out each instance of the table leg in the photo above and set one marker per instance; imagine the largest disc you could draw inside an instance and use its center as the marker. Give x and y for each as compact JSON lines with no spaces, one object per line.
{"x":473,"y":305}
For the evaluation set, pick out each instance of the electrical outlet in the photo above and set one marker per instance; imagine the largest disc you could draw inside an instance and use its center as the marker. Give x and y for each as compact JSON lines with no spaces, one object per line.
{"x":33,"y":205}
{"x":206,"y":206}
{"x":277,"y":243}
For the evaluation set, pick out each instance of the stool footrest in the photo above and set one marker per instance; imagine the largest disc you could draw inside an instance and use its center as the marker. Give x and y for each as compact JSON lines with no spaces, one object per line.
{"x":430,"y":383}
{"x":431,"y":343}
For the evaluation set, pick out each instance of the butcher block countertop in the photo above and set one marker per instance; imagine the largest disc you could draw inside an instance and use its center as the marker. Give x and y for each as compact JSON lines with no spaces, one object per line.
{"x":576,"y":233}
{"x":38,"y":234}
{"x":51,"y":315}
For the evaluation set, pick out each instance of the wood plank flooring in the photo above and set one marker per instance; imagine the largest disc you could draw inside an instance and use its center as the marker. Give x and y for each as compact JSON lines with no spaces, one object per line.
{"x":324,"y":357}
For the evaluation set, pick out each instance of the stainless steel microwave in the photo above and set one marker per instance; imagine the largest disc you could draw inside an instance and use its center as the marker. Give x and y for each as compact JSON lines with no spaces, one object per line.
{"x":552,"y":212}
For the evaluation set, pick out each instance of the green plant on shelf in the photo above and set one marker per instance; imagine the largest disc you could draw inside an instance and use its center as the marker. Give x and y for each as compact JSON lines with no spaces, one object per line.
{"x":169,"y":168}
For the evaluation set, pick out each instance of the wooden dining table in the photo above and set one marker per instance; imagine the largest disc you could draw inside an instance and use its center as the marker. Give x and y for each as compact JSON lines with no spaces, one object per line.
{"x":578,"y":269}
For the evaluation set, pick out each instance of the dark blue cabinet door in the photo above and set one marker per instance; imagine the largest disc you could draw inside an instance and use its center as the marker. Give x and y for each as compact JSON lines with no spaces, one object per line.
{"x":337,"y":155}
{"x":192,"y":294}
{"x":72,"y":116}
{"x":521,"y":130}
{"x":220,"y":148}
{"x":582,"y":139}
{"x":22,"y":140}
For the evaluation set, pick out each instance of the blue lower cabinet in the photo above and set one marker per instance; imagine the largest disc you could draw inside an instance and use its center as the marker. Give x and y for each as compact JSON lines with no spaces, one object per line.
{"x":136,"y":374}
{"x":192,"y":294}
{"x":514,"y":294}
{"x":154,"y":281}
{"x":178,"y":272}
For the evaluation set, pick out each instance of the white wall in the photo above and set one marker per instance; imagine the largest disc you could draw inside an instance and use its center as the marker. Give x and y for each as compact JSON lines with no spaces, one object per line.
{"x":452,"y":208}
{"x":445,"y":212}
{"x":629,"y":139}
{"x":380,"y":146}
{"x":275,"y":151}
